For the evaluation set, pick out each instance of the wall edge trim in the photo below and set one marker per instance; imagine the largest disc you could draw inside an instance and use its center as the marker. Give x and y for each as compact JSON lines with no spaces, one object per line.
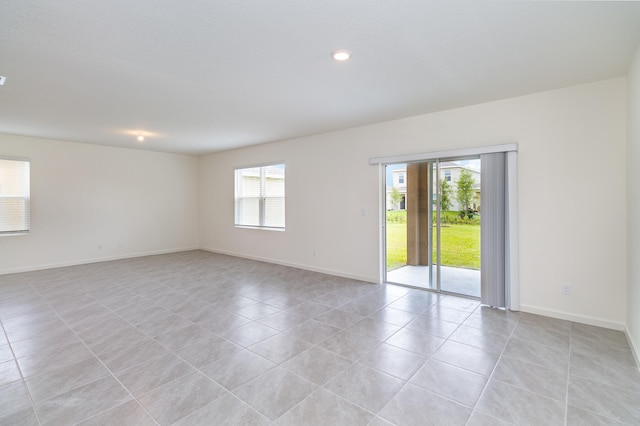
{"x":583,"y":319}
{"x":373,"y":280}
{"x":634,"y":348}
{"x":45,"y":266}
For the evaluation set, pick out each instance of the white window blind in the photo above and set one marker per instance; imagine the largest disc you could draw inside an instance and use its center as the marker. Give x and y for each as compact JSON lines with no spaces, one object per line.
{"x":14,"y":196}
{"x":260,"y":197}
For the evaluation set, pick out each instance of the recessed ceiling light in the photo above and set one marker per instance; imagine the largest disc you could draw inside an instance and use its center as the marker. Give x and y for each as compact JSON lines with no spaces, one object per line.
{"x":341,"y":55}
{"x":140,"y":137}
{"x":2,"y":80}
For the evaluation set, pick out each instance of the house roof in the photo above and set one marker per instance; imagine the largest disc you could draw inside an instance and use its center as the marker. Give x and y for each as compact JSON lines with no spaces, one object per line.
{"x":198,"y":77}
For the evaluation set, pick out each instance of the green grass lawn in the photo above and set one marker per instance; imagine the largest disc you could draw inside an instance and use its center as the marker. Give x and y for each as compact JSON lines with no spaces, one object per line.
{"x":460,"y":245}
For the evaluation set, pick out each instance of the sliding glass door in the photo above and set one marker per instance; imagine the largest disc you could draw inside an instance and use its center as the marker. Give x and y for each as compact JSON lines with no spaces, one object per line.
{"x":432,"y":228}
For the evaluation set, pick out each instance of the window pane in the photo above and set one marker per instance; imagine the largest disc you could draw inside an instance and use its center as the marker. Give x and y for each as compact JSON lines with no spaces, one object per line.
{"x":248,"y":211}
{"x":248,"y":181}
{"x":14,"y":195}
{"x":274,"y":212}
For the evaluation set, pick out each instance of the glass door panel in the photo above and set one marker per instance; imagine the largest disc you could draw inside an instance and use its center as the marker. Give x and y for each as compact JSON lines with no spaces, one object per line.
{"x":432,"y":227}
{"x":460,"y":207}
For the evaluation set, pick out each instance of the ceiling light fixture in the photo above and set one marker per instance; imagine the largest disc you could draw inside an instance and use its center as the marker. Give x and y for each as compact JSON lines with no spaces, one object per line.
{"x":341,"y":55}
{"x":140,"y":137}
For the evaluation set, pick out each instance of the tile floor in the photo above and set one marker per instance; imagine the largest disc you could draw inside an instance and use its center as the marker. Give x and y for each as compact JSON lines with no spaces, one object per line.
{"x":198,"y":338}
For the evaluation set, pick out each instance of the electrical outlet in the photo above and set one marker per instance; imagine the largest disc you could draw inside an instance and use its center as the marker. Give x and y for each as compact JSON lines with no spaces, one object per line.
{"x":565,"y":289}
{"x":99,"y":246}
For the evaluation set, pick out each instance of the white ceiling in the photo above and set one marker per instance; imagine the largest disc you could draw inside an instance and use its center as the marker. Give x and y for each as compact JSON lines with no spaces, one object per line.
{"x":200,"y":76}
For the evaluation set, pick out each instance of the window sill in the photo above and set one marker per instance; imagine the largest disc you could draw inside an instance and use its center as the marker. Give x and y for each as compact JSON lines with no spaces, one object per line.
{"x":13,"y":234}
{"x":262,"y":228}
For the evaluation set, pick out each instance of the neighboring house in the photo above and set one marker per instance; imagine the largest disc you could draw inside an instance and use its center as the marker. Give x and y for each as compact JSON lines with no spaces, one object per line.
{"x":449,"y":171}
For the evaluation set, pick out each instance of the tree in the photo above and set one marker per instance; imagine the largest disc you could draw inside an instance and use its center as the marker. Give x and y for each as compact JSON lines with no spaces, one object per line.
{"x":396,"y":198}
{"x":445,"y":195}
{"x":465,"y":191}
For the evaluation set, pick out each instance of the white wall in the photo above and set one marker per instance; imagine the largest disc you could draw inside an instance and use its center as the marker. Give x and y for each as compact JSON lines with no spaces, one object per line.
{"x":572,"y":184}
{"x":82,"y":195}
{"x":633,"y":194}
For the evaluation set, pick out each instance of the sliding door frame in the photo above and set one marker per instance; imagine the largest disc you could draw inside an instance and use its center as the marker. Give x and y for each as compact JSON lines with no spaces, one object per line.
{"x":436,"y":158}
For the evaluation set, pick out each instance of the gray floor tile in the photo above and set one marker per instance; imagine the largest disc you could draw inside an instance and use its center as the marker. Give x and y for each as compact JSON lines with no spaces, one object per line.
{"x":237,"y":369}
{"x":579,"y":417}
{"x":56,"y":339}
{"x":257,"y":311}
{"x":483,"y":339}
{"x":82,"y":403}
{"x":379,"y":421}
{"x":605,"y":354}
{"x":66,"y":378}
{"x":250,"y":334}
{"x":207,"y":350}
{"x":282,"y":321}
{"x":543,"y":336}
{"x":24,"y":417}
{"x":455,"y":383}
{"x":394,"y":361}
{"x":607,"y":401}
{"x":433,"y":326}
{"x":461,"y":304}
{"x":350,"y":344}
{"x":275,"y":392}
{"x":308,"y":309}
{"x":325,"y":408}
{"x":181,"y":397}
{"x":220,"y":321}
{"x":280,"y":348}
{"x":9,"y":372}
{"x":339,"y":319}
{"x":129,"y":413}
{"x":416,"y":341}
{"x":544,"y":322}
{"x":6,"y":354}
{"x":589,"y":334}
{"x":612,"y":374}
{"x":480,"y":419}
{"x":153,"y":373}
{"x":416,"y":406}
{"x":447,"y":314}
{"x":317,"y":365}
{"x":178,"y":338}
{"x":119,"y":339}
{"x":370,"y":327}
{"x":491,"y":323}
{"x":520,"y":406}
{"x":130,"y":356}
{"x":393,"y":316}
{"x":14,"y":397}
{"x":365,"y":387}
{"x":226,"y":410}
{"x":312,"y":331}
{"x":531,"y":377}
{"x":544,"y":356}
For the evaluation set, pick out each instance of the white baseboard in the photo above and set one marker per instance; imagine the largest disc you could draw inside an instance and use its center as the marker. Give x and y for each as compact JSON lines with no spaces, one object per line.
{"x":583,"y":319}
{"x":634,"y":348}
{"x":88,"y":261}
{"x":296,"y":265}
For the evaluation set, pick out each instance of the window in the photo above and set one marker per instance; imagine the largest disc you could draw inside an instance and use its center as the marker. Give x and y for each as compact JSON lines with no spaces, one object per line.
{"x":400,"y":178}
{"x":447,"y":175}
{"x":14,"y":196}
{"x":260,"y":197}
